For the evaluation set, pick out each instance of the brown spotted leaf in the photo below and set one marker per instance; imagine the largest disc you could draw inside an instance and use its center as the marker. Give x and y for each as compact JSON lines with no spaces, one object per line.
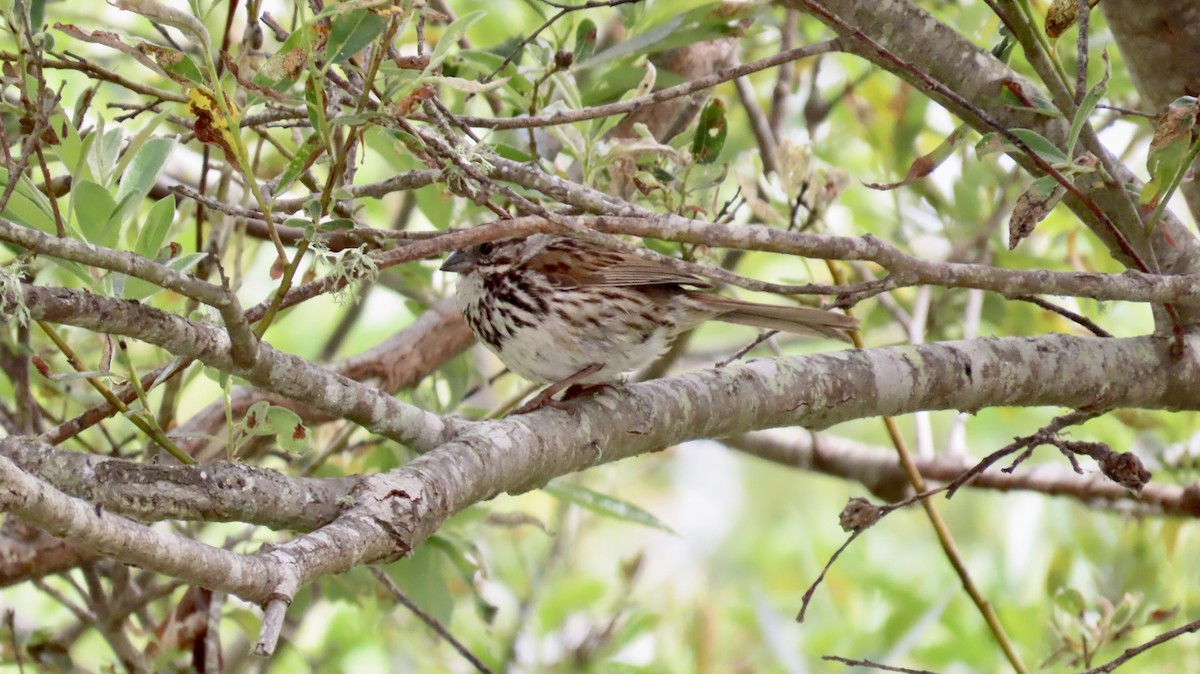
{"x":1062,"y":15}
{"x":1034,"y":204}
{"x":1170,"y":146}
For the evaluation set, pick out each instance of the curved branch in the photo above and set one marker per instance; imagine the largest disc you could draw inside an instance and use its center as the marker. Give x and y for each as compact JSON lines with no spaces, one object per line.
{"x":220,"y":298}
{"x":394,"y":512}
{"x":214,"y":492}
{"x":397,"y":511}
{"x":907,"y":269}
{"x":290,"y":376}
{"x":399,"y":362}
{"x":95,"y":530}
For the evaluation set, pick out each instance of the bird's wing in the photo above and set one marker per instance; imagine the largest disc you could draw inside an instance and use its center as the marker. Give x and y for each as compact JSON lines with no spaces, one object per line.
{"x":582,"y":263}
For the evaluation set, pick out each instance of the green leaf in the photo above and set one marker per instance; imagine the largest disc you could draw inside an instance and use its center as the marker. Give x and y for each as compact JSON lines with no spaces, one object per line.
{"x":710,"y":133}
{"x":71,"y":149}
{"x":1042,"y":146}
{"x":351,"y":32}
{"x":513,"y":153}
{"x":154,"y":230}
{"x":314,"y":105}
{"x":335,"y":224}
{"x":1125,"y":610}
{"x":1070,"y":601}
{"x":290,"y":431}
{"x":107,"y":150}
{"x":94,"y":207}
{"x":304,"y":158}
{"x":474,"y":61}
{"x":422,"y":578}
{"x":1003,"y":49}
{"x":1151,"y":191}
{"x":574,"y":594}
{"x":620,"y":82}
{"x":707,"y":22}
{"x":255,"y":421}
{"x":37,"y":14}
{"x":263,"y":418}
{"x":222,"y":378}
{"x":469,"y":86}
{"x":605,"y":505}
{"x":138,"y":178}
{"x":288,"y":64}
{"x":1090,"y":100}
{"x":1172,"y":137}
{"x":450,"y":38}
{"x":28,"y":206}
{"x":464,"y":557}
{"x":585,"y":40}
{"x":177,"y":65}
{"x":1169,"y":148}
{"x":1017,"y":97}
{"x":436,"y":205}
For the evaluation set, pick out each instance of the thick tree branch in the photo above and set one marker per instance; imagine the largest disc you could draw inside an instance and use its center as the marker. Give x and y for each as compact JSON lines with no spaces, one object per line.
{"x":949,"y":58}
{"x":394,"y":512}
{"x":399,"y":362}
{"x":289,"y":376}
{"x":214,"y":492}
{"x":95,"y":530}
{"x":876,"y":469}
{"x":1158,"y":43}
{"x":220,"y":298}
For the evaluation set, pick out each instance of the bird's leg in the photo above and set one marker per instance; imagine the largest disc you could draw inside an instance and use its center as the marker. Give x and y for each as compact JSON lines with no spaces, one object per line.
{"x":582,"y":390}
{"x":546,"y":397}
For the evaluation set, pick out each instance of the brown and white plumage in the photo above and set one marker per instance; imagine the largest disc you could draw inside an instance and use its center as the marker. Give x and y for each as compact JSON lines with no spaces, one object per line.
{"x":551,"y":305}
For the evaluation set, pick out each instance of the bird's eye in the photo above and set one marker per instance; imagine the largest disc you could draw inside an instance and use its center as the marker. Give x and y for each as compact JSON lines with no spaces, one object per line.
{"x":486,"y":248}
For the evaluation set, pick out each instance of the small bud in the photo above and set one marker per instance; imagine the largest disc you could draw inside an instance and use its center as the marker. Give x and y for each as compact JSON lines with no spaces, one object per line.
{"x":859,"y":514}
{"x":1125,"y":469}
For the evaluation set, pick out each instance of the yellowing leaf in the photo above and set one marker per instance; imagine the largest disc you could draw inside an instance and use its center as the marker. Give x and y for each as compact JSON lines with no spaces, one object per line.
{"x":210,"y":125}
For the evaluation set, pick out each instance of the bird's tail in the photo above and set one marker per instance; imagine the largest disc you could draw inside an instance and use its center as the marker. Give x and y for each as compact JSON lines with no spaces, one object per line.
{"x":798,"y":320}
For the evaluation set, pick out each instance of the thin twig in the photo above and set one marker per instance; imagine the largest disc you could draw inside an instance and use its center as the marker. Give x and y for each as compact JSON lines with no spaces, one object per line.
{"x":434,"y":623}
{"x":808,"y":594}
{"x":850,"y":662}
{"x":1082,"y":320}
{"x":563,"y":11}
{"x":1081,"y":60}
{"x":759,"y":124}
{"x":706,"y":82}
{"x":1042,"y":436}
{"x":1135,"y":651}
{"x":941,"y":530}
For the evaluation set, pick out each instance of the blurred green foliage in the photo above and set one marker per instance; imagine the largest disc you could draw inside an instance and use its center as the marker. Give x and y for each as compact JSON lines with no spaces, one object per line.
{"x":534,"y":583}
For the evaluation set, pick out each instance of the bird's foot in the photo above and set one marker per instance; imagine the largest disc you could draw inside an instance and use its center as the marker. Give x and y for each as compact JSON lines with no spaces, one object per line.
{"x":570,"y":387}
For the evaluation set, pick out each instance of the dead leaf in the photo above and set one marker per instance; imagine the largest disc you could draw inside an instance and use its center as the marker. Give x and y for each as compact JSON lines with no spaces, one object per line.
{"x":1034,"y":204}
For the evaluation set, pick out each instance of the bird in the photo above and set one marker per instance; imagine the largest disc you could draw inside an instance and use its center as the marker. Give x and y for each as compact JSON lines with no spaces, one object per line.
{"x":565,"y":310}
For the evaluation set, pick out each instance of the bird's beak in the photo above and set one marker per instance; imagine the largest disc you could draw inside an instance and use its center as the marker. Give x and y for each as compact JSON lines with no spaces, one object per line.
{"x":458,"y":262}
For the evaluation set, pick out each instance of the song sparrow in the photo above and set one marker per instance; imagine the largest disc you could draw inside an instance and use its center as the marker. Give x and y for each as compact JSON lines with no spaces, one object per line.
{"x":564,"y":310}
